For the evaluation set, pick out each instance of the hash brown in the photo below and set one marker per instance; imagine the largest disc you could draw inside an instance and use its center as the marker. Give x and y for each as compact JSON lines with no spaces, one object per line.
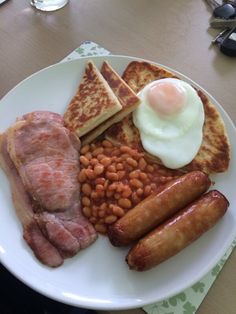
{"x":214,"y":153}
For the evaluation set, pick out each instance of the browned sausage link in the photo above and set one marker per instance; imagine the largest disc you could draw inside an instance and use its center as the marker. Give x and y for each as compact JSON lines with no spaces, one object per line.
{"x":156,"y":208}
{"x":178,"y":232}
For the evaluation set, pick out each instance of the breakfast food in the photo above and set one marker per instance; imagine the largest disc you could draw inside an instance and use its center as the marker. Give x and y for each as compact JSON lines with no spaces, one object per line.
{"x":128,"y":99}
{"x":125,"y":133}
{"x":178,"y":232}
{"x":149,"y":141}
{"x":93,"y":103}
{"x":41,"y":160}
{"x":165,"y":132}
{"x":114,"y":179}
{"x":214,"y":153}
{"x":158,"y":207}
{"x":170,"y":118}
{"x":139,"y":73}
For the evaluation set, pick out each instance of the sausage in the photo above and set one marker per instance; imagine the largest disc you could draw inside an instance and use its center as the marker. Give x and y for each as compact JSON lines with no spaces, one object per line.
{"x":156,"y":208}
{"x":178,"y":232}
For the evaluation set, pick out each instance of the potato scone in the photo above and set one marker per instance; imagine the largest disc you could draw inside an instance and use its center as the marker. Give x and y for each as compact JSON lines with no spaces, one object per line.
{"x":127,"y":97}
{"x":93,"y":103}
{"x":214,"y":153}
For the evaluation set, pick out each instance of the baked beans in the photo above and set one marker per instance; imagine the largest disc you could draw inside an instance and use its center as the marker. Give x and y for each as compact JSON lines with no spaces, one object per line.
{"x":114,"y":179}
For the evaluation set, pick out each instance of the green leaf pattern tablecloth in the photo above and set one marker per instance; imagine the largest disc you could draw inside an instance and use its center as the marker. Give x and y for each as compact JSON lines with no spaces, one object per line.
{"x":188,"y":301}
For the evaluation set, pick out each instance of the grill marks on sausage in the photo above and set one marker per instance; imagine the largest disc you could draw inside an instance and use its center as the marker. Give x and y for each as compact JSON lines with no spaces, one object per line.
{"x":158,"y":207}
{"x":178,"y":232}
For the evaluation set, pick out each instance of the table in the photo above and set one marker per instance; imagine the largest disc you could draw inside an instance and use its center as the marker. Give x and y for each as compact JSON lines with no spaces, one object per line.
{"x":173,"y":33}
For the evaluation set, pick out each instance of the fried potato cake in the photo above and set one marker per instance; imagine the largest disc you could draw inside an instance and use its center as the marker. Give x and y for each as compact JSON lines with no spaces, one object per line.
{"x":93,"y":103}
{"x":127,"y":97}
{"x":214,"y":153}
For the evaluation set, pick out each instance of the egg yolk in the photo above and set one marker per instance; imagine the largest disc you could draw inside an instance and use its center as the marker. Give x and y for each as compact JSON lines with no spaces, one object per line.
{"x":166,"y":98}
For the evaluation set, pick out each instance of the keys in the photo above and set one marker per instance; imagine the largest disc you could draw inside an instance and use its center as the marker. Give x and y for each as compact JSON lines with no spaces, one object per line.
{"x":222,"y":23}
{"x":219,"y":36}
{"x":225,"y":11}
{"x":227,"y":42}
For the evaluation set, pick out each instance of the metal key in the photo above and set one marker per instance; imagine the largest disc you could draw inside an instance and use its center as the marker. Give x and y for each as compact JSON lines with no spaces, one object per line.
{"x":227,"y":42}
{"x":223,"y":11}
{"x":221,"y":34}
{"x":222,"y":23}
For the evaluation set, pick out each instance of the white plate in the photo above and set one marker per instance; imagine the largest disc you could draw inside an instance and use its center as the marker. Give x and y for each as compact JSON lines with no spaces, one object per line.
{"x":98,"y":277}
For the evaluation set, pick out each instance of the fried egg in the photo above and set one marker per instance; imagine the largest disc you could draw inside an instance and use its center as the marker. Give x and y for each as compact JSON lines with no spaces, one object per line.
{"x":170,"y":120}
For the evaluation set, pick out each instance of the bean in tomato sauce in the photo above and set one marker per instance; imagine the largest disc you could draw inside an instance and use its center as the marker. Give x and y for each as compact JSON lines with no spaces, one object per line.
{"x":114,"y":179}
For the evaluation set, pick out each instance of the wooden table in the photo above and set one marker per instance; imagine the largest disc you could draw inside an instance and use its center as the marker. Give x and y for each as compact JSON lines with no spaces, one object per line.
{"x":173,"y":33}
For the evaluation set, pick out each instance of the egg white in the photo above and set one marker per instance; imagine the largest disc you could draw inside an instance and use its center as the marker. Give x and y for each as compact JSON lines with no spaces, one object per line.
{"x":175,"y":139}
